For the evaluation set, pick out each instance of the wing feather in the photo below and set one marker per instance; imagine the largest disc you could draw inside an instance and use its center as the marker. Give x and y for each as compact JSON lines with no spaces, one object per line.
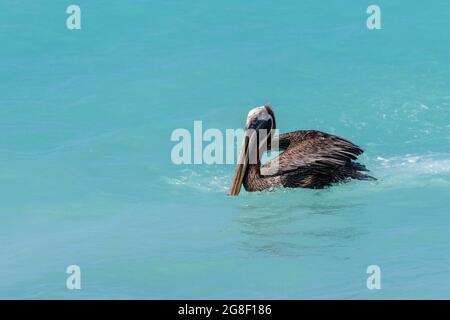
{"x":313,"y":151}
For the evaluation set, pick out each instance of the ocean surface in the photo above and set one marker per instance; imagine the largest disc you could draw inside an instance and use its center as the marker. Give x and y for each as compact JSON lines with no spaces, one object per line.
{"x":86,"y":176}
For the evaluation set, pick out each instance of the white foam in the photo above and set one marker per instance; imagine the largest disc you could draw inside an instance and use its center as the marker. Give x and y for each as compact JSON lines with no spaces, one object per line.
{"x":430,"y":164}
{"x":206,"y":180}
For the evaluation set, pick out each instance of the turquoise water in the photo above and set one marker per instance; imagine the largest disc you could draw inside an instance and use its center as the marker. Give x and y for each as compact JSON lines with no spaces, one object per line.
{"x":86,"y":176}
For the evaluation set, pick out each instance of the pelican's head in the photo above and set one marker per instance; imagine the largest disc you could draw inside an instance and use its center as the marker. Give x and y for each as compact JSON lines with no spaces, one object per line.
{"x":260,"y":118}
{"x":259,"y":125}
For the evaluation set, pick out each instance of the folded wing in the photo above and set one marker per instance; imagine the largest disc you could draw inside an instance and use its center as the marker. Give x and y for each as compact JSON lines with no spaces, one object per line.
{"x":314,"y":152}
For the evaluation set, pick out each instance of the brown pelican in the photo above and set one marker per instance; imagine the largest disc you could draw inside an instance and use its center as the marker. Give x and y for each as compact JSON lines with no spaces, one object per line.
{"x":310,"y":158}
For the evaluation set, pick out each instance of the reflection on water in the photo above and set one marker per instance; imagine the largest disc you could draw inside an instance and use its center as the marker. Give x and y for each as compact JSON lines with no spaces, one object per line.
{"x":293,"y":225}
{"x":302,"y":222}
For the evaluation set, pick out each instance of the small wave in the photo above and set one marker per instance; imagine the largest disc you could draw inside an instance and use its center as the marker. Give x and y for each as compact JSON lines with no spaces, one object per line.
{"x":412,"y":171}
{"x":391,"y":171}
{"x":430,"y":164}
{"x":202,"y":180}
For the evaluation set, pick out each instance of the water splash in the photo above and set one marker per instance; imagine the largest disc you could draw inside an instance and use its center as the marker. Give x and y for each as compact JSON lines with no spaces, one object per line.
{"x":206,"y":180}
{"x":429,"y":164}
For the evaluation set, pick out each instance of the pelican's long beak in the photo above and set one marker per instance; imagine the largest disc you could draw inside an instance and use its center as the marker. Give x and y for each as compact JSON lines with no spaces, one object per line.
{"x":240,"y":168}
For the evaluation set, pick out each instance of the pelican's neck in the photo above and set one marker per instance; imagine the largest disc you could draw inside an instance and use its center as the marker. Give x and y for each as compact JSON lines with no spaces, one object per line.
{"x":251,"y":177}
{"x":254,"y":181}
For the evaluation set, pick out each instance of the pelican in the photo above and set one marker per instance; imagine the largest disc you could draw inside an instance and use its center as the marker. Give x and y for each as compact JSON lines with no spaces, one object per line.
{"x":309,"y":159}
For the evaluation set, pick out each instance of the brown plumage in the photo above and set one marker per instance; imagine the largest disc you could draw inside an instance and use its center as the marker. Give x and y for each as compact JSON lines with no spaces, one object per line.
{"x":310,"y":158}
